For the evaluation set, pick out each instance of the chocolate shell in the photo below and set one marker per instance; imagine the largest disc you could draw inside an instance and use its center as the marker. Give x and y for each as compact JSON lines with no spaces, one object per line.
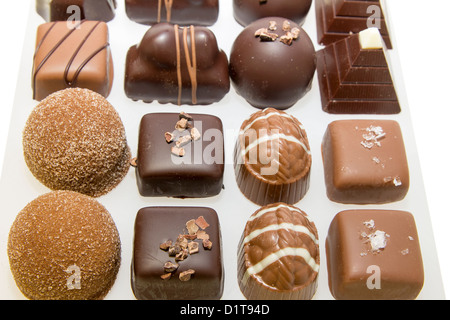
{"x":247,"y":11}
{"x":182,"y":12}
{"x":278,"y":256}
{"x":169,"y":67}
{"x":272,"y":63}
{"x":272,"y":158}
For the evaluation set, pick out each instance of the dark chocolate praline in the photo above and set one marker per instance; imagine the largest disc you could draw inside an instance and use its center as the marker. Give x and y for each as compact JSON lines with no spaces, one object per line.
{"x":270,"y":72}
{"x":247,"y":11}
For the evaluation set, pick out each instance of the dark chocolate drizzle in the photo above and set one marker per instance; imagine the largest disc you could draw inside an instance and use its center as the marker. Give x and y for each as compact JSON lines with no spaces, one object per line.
{"x":72,"y":82}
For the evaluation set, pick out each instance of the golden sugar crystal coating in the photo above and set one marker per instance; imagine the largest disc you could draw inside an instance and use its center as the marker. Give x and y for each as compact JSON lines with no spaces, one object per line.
{"x":64,"y":245}
{"x":75,"y":140}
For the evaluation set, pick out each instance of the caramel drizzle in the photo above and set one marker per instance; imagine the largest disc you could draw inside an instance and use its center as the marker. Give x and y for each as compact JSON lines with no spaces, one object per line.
{"x":168,"y":4}
{"x":68,"y":82}
{"x":191,"y":64}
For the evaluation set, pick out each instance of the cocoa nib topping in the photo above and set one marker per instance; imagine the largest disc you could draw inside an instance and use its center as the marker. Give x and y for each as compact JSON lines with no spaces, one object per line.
{"x":291,"y":34}
{"x":184,"y":246}
{"x":183,"y":124}
{"x":186,"y":275}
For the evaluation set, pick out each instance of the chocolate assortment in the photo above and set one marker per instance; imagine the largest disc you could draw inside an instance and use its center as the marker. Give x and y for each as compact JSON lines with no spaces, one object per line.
{"x":229,"y":170}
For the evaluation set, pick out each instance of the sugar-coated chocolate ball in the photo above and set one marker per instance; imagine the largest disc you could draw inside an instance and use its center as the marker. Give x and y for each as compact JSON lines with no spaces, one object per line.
{"x":64,"y":246}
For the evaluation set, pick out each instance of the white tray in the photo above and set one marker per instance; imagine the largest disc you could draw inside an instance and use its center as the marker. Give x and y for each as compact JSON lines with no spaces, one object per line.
{"x":18,"y":186}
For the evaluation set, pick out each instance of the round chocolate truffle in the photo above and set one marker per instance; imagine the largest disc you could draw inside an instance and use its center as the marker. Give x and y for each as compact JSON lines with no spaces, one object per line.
{"x":272,"y":63}
{"x":278,"y":255}
{"x":64,"y":246}
{"x":75,"y":140}
{"x":247,"y":11}
{"x":272,"y":158}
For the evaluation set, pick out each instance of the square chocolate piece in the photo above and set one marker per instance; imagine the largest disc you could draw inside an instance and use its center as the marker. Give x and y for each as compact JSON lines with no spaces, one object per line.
{"x":185,"y":162}
{"x":365,"y":162}
{"x":374,"y":255}
{"x":161,"y":269}
{"x":75,"y":56}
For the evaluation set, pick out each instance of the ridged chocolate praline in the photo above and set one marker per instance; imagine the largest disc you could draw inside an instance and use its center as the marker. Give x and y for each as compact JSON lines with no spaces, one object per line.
{"x":272,"y":158}
{"x":272,"y":73}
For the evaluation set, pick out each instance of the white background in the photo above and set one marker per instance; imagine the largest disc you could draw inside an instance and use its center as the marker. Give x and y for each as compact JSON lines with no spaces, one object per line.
{"x":422,"y":42}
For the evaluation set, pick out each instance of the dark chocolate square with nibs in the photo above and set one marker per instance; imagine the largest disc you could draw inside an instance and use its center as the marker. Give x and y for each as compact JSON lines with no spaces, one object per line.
{"x":365,"y":162}
{"x":197,"y":174}
{"x":374,"y":255}
{"x":157,"y":225}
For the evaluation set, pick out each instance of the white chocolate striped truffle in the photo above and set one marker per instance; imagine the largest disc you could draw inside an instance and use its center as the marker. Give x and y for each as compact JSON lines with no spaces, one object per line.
{"x":278,"y":257}
{"x":272,"y":158}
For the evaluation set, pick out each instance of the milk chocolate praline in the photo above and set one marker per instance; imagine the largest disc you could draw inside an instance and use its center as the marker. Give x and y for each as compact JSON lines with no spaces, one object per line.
{"x":247,"y":11}
{"x":278,"y":256}
{"x":275,"y":68}
{"x":374,"y":255}
{"x":272,"y":158}
{"x":64,"y":246}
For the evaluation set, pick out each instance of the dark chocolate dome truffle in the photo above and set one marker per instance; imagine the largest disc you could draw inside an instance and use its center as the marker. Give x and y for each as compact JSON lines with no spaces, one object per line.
{"x":247,"y":11}
{"x":75,"y":140}
{"x":64,"y":246}
{"x":272,"y":63}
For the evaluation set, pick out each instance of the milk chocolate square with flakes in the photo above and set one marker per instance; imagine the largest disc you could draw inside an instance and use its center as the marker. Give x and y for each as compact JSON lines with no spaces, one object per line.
{"x":204,"y":267}
{"x":193,"y":169}
{"x":72,"y":56}
{"x":365,"y":162}
{"x":374,"y":255}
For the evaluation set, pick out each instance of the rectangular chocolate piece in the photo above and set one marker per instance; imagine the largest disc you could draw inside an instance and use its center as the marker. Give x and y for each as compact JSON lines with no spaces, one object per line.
{"x":365,"y":162}
{"x":182,"y":12}
{"x":64,"y":10}
{"x":356,"y":79}
{"x":333,"y":26}
{"x":154,"y":228}
{"x":356,"y":8}
{"x":162,"y":170}
{"x":374,"y":255}
{"x":78,"y":56}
